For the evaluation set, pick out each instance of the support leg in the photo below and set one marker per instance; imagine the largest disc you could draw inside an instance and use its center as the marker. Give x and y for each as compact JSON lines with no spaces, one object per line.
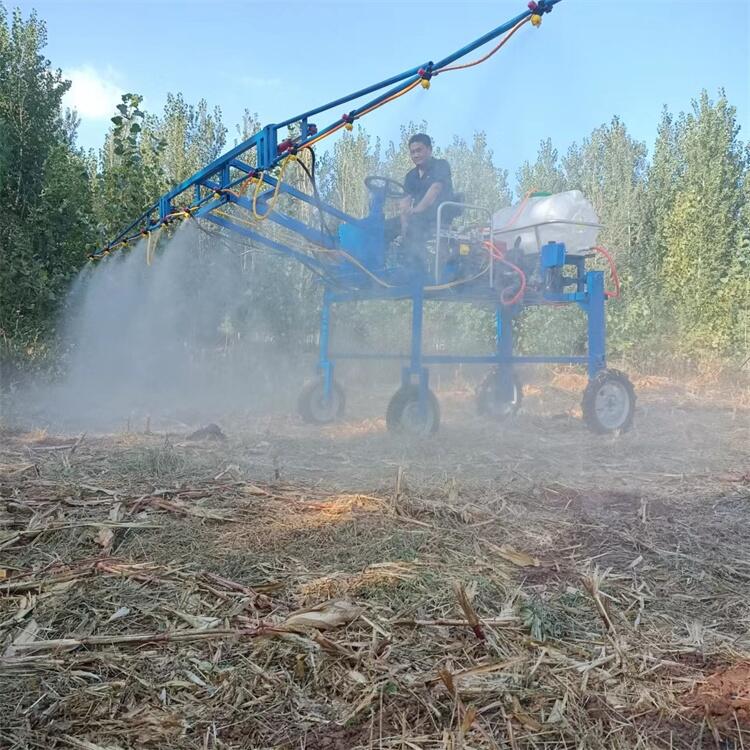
{"x":596,"y":323}
{"x":504,"y":346}
{"x":415,"y":369}
{"x":325,"y":365}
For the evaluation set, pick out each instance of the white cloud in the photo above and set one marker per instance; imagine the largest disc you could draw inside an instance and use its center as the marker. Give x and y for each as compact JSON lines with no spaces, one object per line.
{"x":92,"y":94}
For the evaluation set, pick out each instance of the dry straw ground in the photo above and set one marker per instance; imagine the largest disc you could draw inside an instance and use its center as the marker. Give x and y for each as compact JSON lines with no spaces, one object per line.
{"x":524,"y":586}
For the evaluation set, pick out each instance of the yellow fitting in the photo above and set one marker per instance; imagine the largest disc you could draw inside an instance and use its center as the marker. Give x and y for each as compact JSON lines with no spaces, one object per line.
{"x":217,"y":196}
{"x":536,"y":20}
{"x":425,"y":83}
{"x":349,"y":126}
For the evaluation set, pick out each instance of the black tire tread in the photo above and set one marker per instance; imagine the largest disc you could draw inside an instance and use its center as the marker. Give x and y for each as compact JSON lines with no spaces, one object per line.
{"x":588,"y":402}
{"x":398,"y":402}
{"x":304,"y":402}
{"x":484,"y":391}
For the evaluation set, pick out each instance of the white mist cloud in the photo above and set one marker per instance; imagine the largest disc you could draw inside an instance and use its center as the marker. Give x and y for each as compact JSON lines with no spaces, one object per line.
{"x":92,"y":94}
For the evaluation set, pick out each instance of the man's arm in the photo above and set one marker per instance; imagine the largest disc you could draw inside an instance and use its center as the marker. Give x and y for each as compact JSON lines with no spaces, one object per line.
{"x":440,"y":187}
{"x":429,"y":198}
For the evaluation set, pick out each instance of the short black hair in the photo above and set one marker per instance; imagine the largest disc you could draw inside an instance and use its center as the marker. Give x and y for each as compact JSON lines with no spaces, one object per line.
{"x":421,"y":138}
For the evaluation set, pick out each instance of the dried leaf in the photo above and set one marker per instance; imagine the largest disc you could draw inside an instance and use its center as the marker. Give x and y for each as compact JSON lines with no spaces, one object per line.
{"x":105,"y":537}
{"x":447,"y":679}
{"x":521,"y":559}
{"x":357,"y":677}
{"x":198,"y":621}
{"x":524,"y":718}
{"x":557,"y":714}
{"x":116,"y":512}
{"x":194,"y":678}
{"x":465,"y":596}
{"x":468,"y":719}
{"x":325,"y":616}
{"x":119,"y":614}
{"x":27,"y":635}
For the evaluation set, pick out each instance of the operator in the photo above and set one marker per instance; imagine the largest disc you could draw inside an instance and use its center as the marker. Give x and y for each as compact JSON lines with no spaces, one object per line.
{"x":426,"y":187}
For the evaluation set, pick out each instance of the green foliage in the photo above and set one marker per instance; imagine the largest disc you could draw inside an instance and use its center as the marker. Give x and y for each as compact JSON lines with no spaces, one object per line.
{"x":706,"y":265}
{"x":545,"y":174}
{"x":678,"y":225}
{"x":129,"y":173}
{"x":45,"y":201}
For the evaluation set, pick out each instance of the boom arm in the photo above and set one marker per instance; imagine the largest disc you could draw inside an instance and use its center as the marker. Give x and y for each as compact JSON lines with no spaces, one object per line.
{"x":262,"y":152}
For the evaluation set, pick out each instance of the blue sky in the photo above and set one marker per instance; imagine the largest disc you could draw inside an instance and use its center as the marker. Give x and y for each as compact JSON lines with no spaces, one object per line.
{"x":590,"y":60}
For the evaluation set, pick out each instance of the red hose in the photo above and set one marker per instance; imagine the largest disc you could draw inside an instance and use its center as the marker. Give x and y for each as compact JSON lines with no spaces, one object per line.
{"x":613,"y":271}
{"x":498,"y":255}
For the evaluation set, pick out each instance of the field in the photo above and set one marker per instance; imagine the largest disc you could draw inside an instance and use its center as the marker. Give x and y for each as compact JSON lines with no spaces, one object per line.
{"x":275,"y":585}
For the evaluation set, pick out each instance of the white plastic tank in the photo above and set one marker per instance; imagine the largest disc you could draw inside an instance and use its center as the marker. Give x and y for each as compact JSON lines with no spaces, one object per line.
{"x":526,"y":223}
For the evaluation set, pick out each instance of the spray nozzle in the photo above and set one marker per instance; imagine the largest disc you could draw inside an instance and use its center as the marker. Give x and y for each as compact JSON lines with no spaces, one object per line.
{"x":425,"y":74}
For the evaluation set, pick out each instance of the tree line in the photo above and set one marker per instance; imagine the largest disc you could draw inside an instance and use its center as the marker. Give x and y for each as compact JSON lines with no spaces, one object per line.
{"x":677,"y":217}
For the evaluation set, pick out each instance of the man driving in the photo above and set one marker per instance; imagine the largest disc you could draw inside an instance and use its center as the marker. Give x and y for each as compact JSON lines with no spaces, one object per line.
{"x":426,"y":187}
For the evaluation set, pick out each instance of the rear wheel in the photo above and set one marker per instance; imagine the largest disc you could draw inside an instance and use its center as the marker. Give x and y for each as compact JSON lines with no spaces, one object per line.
{"x":493,"y":403}
{"x":315,"y":408}
{"x":404,"y":414}
{"x":609,"y":402}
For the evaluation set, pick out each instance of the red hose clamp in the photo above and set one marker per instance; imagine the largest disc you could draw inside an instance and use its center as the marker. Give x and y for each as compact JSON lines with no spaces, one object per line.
{"x":284,"y":146}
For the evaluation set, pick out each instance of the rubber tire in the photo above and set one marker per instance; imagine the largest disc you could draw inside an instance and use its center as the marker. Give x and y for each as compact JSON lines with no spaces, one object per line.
{"x":588,"y":403}
{"x":401,"y":399}
{"x":485,"y":397}
{"x":314,"y":390}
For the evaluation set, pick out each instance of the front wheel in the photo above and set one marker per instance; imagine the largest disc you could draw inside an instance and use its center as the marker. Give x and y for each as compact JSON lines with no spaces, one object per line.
{"x":609,"y":402}
{"x":315,"y":408}
{"x":407,"y":416}
{"x":492,"y":403}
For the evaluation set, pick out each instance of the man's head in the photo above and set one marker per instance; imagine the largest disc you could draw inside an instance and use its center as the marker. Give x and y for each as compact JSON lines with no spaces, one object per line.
{"x":420,"y":148}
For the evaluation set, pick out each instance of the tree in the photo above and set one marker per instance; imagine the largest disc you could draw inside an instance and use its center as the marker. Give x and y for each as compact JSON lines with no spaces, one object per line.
{"x":705,"y":265}
{"x":130,"y":175}
{"x":475,"y":174}
{"x":544,"y":175}
{"x":187,"y":138}
{"x":45,"y":203}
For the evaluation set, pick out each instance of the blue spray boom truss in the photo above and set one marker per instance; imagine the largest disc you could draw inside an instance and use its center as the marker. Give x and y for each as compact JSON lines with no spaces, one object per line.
{"x":267,"y":152}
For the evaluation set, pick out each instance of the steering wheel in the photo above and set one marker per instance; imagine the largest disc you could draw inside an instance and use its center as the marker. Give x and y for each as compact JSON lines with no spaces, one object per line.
{"x":392,"y":188}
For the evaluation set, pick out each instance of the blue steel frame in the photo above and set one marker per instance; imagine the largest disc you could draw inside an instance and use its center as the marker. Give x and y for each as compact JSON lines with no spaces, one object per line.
{"x":589,"y":296}
{"x":347,"y":279}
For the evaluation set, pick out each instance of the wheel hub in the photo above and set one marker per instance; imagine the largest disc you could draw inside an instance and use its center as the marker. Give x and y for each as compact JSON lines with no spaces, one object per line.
{"x":324,"y":408}
{"x":612,"y":405}
{"x":416,"y":420}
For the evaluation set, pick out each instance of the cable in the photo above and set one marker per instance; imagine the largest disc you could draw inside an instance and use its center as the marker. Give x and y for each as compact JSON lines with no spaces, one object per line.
{"x":310,"y":172}
{"x":489,"y":54}
{"x":419,"y":81}
{"x":457,"y":282}
{"x":391,"y":98}
{"x":613,"y":271}
{"x":521,"y":206}
{"x":272,"y":201}
{"x":497,"y":254}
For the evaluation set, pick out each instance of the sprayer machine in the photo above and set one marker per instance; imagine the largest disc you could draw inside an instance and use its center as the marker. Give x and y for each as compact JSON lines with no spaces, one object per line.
{"x":533,"y":253}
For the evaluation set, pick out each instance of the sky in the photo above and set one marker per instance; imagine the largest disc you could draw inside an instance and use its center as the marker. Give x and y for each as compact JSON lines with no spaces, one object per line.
{"x":589,"y":60}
